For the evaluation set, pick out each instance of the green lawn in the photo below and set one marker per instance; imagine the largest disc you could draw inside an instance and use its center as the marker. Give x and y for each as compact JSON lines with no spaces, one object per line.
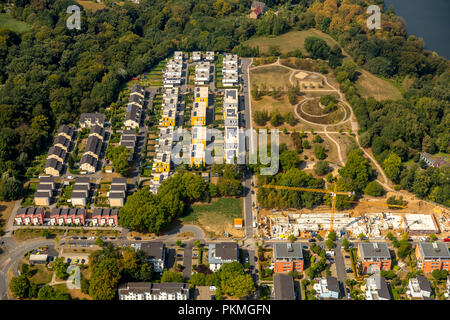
{"x":6,"y":22}
{"x":40,"y":274}
{"x":288,"y":41}
{"x":220,"y":209}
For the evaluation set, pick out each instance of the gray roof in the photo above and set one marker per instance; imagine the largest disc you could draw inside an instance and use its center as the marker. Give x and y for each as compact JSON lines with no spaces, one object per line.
{"x":332,"y":284}
{"x":41,"y":194}
{"x":98,"y":130}
{"x":82,"y":180}
{"x":129,"y":132}
{"x":47,"y":179}
{"x":62,"y":140}
{"x":117,"y":195}
{"x":66,"y":129}
{"x":424,"y":284}
{"x":119,"y":181}
{"x":80,"y":187}
{"x":118,"y":187}
{"x":383,"y":288}
{"x":93,"y":144}
{"x":87,"y":158}
{"x":53,"y":163}
{"x":231,"y":93}
{"x":133,"y":113}
{"x":283,"y":285}
{"x":374,"y":250}
{"x":58,"y":151}
{"x":223,"y":251}
{"x":93,"y":117}
{"x":153,"y":250}
{"x":434,"y":250}
{"x":288,"y":251}
{"x":129,"y":137}
{"x":79,"y":195}
{"x":45,"y":187}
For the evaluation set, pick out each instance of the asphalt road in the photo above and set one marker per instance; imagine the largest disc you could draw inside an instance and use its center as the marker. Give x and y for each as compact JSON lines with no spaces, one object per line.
{"x":248,"y":219}
{"x":12,"y":258}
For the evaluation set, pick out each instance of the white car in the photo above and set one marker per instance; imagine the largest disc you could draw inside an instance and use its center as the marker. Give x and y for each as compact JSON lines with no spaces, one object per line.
{"x":70,"y":177}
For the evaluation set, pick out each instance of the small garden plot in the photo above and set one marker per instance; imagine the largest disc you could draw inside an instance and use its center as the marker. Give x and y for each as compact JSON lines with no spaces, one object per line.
{"x":28,"y":199}
{"x":36,"y":166}
{"x":66,"y":193}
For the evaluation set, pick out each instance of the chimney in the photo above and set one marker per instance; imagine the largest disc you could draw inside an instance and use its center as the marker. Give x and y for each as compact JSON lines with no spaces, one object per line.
{"x":289,"y":247}
{"x":375,"y":246}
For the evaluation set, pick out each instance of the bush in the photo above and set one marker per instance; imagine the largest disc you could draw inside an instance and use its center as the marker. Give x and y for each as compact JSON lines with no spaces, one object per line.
{"x":374,"y":189}
{"x":321,"y":167}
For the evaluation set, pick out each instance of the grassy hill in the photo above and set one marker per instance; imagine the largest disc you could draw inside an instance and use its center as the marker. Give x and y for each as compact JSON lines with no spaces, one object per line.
{"x":288,"y":41}
{"x":369,"y":85}
{"x":7,"y":22}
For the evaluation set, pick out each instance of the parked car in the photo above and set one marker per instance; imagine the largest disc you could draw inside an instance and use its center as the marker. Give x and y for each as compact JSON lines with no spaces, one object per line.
{"x":137,"y":238}
{"x":256,"y":259}
{"x":112,"y":238}
{"x":447,"y":240}
{"x":75,"y":238}
{"x":246,"y":259}
{"x":179,"y":255}
{"x":349,"y":270}
{"x":312,"y":240}
{"x":348,"y":293}
{"x":83,"y":238}
{"x":348,"y":257}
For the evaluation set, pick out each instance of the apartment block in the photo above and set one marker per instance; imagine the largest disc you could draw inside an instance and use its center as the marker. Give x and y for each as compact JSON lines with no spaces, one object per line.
{"x":287,"y":257}
{"x":374,"y":256}
{"x":432,"y":256}
{"x":283,"y":287}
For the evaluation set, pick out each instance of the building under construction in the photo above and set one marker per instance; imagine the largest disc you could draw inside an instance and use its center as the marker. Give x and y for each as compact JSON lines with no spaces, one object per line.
{"x":371,"y":225}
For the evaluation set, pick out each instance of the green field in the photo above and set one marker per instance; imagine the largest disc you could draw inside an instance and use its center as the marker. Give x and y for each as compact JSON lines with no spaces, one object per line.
{"x":6,"y":22}
{"x":369,"y":85}
{"x":218,"y":210}
{"x":288,"y":41}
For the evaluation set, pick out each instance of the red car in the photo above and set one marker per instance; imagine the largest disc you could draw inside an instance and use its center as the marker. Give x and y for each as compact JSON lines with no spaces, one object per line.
{"x":447,"y":240}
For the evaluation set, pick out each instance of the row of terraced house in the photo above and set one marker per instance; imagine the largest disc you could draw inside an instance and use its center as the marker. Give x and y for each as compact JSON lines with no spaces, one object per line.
{"x":173,"y":78}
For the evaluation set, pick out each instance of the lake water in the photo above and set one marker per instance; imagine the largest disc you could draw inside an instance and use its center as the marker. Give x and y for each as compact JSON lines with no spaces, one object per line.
{"x":428,"y":19}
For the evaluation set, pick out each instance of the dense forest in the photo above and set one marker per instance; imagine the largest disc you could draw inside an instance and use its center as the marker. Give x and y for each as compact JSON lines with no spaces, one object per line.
{"x":51,"y":74}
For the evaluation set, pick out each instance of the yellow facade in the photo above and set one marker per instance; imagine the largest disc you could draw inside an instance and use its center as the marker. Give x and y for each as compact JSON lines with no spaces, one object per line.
{"x":167,"y":122}
{"x":161,"y":167}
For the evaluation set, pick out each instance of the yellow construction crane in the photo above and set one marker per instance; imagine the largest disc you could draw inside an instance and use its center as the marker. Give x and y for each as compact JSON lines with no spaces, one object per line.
{"x":333,"y":195}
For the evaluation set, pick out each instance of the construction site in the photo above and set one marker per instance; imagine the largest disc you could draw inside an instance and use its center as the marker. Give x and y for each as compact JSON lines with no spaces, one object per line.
{"x":279,"y":225}
{"x":369,"y":217}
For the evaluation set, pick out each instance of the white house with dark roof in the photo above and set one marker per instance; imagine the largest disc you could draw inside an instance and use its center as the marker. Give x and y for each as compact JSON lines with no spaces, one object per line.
{"x":327,"y":288}
{"x":377,"y":288}
{"x":156,"y":253}
{"x":88,"y":120}
{"x":419,"y":287}
{"x":220,"y":253}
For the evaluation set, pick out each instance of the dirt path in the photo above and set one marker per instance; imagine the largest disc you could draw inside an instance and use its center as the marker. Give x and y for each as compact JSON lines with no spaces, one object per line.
{"x":354,"y":124}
